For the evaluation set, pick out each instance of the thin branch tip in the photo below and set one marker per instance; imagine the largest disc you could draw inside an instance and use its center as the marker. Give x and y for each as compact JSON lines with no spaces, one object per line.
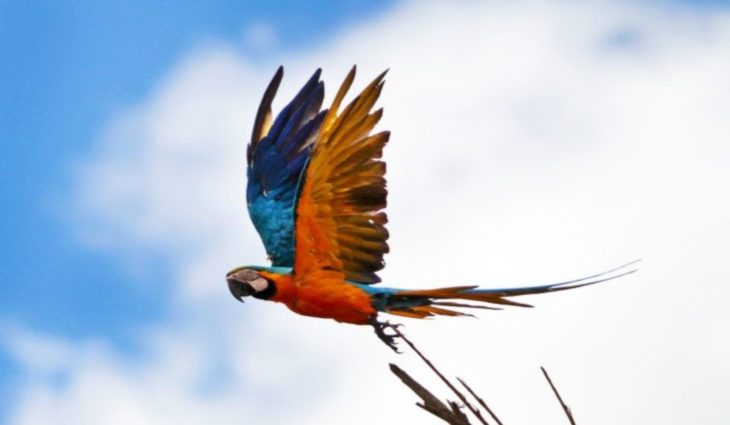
{"x":565,"y":407}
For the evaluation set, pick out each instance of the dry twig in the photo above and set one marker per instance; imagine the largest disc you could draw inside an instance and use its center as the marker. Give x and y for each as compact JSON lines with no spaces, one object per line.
{"x":451,"y":412}
{"x":480,"y":400}
{"x":448,"y":383}
{"x":565,"y":407}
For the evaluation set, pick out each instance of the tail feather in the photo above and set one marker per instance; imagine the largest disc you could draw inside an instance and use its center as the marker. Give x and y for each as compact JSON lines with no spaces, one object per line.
{"x":431,"y":310}
{"x":408,"y":312}
{"x":446,"y":292}
{"x":463,"y":305}
{"x":423,"y":303}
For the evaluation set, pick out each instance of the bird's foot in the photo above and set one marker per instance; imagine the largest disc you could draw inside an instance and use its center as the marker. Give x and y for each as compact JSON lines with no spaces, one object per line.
{"x":387,"y":338}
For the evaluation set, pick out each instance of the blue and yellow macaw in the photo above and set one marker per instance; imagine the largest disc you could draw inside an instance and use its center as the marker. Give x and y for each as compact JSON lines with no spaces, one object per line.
{"x":316,"y":195}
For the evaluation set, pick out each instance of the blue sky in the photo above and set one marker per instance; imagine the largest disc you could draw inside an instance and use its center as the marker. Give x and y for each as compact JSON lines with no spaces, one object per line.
{"x":79,"y":69}
{"x":73,"y":65}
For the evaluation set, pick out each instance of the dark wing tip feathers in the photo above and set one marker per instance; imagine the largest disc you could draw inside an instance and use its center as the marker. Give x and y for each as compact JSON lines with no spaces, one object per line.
{"x":382,"y":75}
{"x":265,"y":105}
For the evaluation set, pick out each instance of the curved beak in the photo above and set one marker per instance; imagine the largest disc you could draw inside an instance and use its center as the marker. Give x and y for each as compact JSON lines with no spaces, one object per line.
{"x":239,"y":289}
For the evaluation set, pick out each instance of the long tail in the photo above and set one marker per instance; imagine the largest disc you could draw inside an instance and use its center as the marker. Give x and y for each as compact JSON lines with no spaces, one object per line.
{"x":428,"y":302}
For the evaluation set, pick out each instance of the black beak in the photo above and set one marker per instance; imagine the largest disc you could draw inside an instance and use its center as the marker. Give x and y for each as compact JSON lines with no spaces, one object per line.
{"x":239,"y":289}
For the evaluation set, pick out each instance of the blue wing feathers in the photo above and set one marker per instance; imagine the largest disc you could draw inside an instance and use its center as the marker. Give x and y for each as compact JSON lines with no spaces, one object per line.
{"x":276,"y":161}
{"x":284,"y":117}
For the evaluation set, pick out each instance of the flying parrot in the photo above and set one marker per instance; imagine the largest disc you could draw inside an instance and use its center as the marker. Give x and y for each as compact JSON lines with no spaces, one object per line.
{"x":316,"y":194}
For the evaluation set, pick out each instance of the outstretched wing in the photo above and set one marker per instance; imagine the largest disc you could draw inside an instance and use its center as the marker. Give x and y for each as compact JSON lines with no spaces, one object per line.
{"x":340,"y":222}
{"x":277,"y":155}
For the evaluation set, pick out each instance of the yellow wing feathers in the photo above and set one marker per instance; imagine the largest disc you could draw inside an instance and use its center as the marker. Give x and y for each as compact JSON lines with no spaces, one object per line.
{"x":340,"y":224}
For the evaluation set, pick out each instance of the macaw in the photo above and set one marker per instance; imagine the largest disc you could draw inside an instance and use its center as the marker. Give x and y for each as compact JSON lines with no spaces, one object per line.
{"x":316,"y":194}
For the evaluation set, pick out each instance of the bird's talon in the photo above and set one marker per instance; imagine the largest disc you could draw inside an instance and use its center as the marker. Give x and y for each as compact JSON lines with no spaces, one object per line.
{"x":387,"y":338}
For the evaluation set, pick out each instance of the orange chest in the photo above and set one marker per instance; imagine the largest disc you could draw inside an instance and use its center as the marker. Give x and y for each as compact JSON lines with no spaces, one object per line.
{"x":327,"y":298}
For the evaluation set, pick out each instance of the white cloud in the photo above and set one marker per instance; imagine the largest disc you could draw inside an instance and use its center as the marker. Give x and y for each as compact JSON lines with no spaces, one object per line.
{"x":260,"y":36}
{"x":531,"y":142}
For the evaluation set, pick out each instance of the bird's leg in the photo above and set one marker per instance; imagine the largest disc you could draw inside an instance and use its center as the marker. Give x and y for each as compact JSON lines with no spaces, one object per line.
{"x":387,"y":338}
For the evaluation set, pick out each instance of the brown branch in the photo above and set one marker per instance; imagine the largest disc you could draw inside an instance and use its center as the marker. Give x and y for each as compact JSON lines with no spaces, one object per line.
{"x":458,"y":393}
{"x":565,"y":407}
{"x":480,"y":400}
{"x":450,"y":414}
{"x":450,"y":411}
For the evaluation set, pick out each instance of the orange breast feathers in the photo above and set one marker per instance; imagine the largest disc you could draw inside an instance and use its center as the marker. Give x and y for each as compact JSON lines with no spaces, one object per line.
{"x":323,"y":294}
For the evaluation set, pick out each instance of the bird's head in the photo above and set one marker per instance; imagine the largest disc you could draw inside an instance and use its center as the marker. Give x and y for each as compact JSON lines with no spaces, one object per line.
{"x":244,"y":281}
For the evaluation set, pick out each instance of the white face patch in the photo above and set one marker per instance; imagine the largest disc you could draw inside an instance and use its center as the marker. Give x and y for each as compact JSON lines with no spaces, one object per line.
{"x":258,"y":284}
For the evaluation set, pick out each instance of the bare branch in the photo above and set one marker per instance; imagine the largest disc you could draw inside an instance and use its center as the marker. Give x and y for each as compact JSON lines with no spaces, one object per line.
{"x":450,"y":411}
{"x":480,"y":400}
{"x":458,"y":393}
{"x":565,"y":407}
{"x":450,"y":414}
